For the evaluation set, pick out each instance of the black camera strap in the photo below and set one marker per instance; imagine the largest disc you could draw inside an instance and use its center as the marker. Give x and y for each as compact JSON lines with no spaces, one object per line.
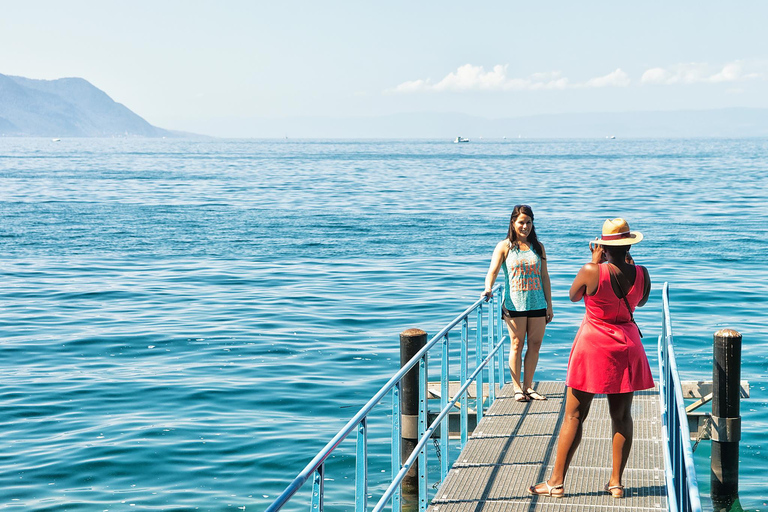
{"x":615,"y":279}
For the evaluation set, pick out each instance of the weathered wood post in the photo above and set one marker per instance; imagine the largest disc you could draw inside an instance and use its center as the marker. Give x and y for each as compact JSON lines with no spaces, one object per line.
{"x":726,"y":421}
{"x":411,"y":341}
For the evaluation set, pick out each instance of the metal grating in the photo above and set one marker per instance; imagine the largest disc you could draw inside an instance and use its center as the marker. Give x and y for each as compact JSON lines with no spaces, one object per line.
{"x":514,"y":447}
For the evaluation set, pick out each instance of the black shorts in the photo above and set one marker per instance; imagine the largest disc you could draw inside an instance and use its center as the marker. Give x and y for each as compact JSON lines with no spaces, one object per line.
{"x":534,"y":313}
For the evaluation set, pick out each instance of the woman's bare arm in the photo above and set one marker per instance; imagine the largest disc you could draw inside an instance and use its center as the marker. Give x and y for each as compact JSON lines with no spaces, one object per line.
{"x":646,"y":287}
{"x":587,"y":279}
{"x":499,"y":254}
{"x":546,"y":284}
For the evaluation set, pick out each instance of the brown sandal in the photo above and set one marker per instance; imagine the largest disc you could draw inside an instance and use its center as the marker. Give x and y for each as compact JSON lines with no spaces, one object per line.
{"x":521,"y":397}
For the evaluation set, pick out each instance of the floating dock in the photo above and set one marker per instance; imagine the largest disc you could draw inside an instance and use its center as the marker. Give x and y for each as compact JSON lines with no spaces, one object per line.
{"x":514,"y":446}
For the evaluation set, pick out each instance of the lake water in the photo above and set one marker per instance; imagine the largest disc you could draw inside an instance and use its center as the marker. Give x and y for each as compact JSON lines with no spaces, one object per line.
{"x":185,"y":323}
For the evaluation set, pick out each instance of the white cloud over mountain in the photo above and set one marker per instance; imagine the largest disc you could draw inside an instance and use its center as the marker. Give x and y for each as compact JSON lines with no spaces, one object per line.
{"x":475,"y":78}
{"x":617,"y":78}
{"x":699,"y":72}
{"x":471,"y":78}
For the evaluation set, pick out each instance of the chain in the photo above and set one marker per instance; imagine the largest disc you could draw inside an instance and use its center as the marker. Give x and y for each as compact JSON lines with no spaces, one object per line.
{"x":703,"y":429}
{"x":437,"y":448}
{"x":437,"y":451}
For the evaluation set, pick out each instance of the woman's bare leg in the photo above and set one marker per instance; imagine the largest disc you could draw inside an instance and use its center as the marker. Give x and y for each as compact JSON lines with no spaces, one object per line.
{"x":517,"y":329}
{"x":536,"y":327}
{"x":620,"y":407}
{"x":577,"y":404}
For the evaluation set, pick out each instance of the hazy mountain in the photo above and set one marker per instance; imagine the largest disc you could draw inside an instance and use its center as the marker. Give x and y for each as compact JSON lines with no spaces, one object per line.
{"x":72,"y":107}
{"x":67,"y":107}
{"x":730,"y":122}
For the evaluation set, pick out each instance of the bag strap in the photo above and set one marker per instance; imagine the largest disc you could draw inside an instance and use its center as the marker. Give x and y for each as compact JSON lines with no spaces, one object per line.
{"x":615,"y":278}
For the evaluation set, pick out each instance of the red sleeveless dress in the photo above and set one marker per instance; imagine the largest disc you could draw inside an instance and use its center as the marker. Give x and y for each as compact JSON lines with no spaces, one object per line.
{"x":607,"y":355}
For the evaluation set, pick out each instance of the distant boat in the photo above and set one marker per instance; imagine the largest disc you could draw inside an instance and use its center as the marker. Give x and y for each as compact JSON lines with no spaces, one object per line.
{"x":55,"y":140}
{"x":610,"y":137}
{"x":460,"y":139}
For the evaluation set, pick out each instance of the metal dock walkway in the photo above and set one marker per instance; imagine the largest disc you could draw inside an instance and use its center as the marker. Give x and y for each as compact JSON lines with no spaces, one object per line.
{"x":513,"y":447}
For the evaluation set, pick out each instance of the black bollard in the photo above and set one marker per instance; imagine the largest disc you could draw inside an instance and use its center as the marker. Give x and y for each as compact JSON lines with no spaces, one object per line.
{"x":726,"y":421}
{"x":411,"y":341}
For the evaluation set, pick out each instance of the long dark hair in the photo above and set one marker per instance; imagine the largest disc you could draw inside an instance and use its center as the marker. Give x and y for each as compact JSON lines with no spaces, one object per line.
{"x":532,"y":238}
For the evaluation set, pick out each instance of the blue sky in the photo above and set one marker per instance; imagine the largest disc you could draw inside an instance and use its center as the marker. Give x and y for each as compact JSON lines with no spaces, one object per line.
{"x":209,"y":66}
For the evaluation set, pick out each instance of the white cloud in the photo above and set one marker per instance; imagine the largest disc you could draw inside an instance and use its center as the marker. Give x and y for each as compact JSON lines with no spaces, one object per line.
{"x":732,"y":72}
{"x":655,"y":76}
{"x":475,"y":78}
{"x":413,"y":86}
{"x":469,"y":77}
{"x":699,"y":72}
{"x":617,"y":78}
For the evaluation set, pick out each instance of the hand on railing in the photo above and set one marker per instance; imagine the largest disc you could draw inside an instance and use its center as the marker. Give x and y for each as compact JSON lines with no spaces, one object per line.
{"x":487,"y":294}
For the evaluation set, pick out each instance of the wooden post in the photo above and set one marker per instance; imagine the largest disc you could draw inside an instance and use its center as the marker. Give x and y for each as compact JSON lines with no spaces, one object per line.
{"x":411,"y":341}
{"x":726,"y":421}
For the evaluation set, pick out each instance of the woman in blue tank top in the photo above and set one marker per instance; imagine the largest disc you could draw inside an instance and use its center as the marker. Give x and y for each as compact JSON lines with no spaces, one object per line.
{"x":527,"y":306}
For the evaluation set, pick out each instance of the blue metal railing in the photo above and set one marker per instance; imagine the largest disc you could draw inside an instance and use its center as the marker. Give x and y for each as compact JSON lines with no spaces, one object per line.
{"x":490,"y":357}
{"x":682,"y":485}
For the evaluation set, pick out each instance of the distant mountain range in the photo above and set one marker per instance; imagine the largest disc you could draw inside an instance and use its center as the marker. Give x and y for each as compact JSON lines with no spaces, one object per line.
{"x":72,"y":107}
{"x":67,"y":107}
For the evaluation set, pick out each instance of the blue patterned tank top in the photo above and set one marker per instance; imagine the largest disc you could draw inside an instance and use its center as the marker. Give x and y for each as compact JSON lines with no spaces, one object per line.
{"x":523,"y":290}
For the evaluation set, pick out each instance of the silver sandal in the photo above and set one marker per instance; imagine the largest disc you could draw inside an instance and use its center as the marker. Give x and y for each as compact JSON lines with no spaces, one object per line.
{"x":550,"y":488}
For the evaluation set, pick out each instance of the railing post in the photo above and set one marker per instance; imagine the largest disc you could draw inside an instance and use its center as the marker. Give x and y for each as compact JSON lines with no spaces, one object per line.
{"x":491,"y":346}
{"x":361,"y":464}
{"x":422,"y":460}
{"x":396,"y":445}
{"x":411,"y":341}
{"x":462,"y":379}
{"x":318,"y":490}
{"x":445,"y":375}
{"x":478,"y":362}
{"x":499,"y":337}
{"x":726,"y":421}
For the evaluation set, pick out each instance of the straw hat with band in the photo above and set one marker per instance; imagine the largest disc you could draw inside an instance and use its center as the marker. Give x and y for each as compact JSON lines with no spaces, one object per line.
{"x":616,"y":232}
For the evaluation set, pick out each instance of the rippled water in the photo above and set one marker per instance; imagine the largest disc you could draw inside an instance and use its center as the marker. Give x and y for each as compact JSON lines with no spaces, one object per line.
{"x":186,"y":323}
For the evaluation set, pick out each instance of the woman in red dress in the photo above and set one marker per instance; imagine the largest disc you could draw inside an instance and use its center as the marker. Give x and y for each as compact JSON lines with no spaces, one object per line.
{"x":607,"y":355}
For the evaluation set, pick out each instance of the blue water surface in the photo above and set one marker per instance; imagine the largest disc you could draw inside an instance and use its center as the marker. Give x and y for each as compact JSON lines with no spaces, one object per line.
{"x":186,"y":323}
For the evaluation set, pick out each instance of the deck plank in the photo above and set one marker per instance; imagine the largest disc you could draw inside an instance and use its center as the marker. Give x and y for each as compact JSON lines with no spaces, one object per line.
{"x":514,"y":447}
